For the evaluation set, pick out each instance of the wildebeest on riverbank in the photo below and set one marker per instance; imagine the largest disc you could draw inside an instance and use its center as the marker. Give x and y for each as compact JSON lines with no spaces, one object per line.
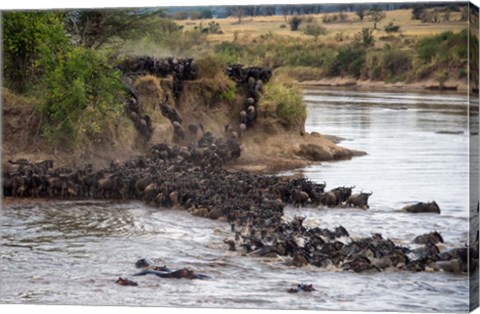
{"x":191,"y":177}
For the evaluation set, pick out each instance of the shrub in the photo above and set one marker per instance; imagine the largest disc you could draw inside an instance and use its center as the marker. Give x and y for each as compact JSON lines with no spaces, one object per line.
{"x":314,"y":29}
{"x":390,"y":28}
{"x":180,"y":15}
{"x":295,"y":22}
{"x":447,"y":47}
{"x":365,"y":37}
{"x":195,"y":15}
{"x":29,"y":37}
{"x":206,"y":13}
{"x":80,"y":81}
{"x":396,"y":63}
{"x":348,"y":61}
{"x":283,"y":101}
{"x":212,"y":28}
{"x":211,"y":66}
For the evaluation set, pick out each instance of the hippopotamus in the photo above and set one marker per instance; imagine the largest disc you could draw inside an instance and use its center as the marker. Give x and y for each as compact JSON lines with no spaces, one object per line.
{"x":302,"y":288}
{"x":430,"y":207}
{"x":148,"y":267}
{"x":147,"y":263}
{"x":181,"y":273}
{"x":125,"y":282}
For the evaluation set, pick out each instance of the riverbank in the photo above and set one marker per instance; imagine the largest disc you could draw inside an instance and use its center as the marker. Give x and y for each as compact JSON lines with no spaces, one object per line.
{"x":267,"y":146}
{"x":460,"y":86}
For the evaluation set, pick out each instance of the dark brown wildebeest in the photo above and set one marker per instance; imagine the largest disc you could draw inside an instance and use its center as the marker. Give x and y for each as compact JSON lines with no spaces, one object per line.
{"x":432,"y":237}
{"x":430,"y":207}
{"x":342,"y":194}
{"x":299,"y":198}
{"x":328,"y":199}
{"x":110,"y":186}
{"x":359,"y":200}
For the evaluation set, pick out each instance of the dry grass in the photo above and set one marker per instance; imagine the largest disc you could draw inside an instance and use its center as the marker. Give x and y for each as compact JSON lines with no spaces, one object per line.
{"x":251,"y":27}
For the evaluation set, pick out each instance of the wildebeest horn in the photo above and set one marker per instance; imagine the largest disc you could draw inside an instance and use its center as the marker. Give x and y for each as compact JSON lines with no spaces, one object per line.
{"x":370,"y":193}
{"x":352,"y":187}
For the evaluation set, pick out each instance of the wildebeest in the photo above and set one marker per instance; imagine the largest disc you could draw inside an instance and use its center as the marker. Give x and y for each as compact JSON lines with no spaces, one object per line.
{"x":328,"y":199}
{"x":432,"y":237}
{"x":430,"y":207}
{"x":342,"y":194}
{"x":299,"y":198}
{"x":359,"y":200}
{"x":335,"y":197}
{"x":178,"y":130}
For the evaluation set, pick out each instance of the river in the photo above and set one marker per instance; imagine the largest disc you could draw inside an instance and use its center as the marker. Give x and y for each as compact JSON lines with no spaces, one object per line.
{"x":71,"y":252}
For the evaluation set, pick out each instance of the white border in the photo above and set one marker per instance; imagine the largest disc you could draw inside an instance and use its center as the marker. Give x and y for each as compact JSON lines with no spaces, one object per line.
{"x":51,"y":4}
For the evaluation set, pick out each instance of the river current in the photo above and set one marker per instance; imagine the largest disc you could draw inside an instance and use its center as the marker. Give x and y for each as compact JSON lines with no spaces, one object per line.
{"x":71,"y":252}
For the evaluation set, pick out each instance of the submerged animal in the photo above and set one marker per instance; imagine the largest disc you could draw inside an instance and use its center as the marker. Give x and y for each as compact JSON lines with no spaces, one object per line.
{"x":302,"y":288}
{"x":148,"y":267}
{"x":179,"y":274}
{"x":125,"y":282}
{"x":147,"y":263}
{"x":430,"y":207}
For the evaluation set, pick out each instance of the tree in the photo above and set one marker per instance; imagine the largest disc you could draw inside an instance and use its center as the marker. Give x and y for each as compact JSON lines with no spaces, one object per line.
{"x":360,"y":12}
{"x":314,"y":29}
{"x":252,"y":10}
{"x":206,"y":13}
{"x":375,"y":15}
{"x":237,"y":11}
{"x":27,"y":38}
{"x":96,"y":28}
{"x":180,"y":15}
{"x":195,"y":15}
{"x":295,"y":22}
{"x":365,"y":37}
{"x":268,"y":10}
{"x":418,"y":12}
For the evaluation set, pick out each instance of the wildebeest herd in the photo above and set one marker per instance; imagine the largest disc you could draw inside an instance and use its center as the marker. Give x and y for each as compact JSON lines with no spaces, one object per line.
{"x":251,"y":79}
{"x":180,"y":69}
{"x":192,"y":178}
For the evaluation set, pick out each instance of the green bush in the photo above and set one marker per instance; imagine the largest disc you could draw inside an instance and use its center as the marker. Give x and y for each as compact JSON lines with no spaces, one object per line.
{"x":295,"y":22}
{"x":283,"y":102}
{"x":348,"y":61}
{"x":27,"y":38}
{"x":390,"y":28}
{"x":365,"y":37}
{"x":447,"y":46}
{"x":396,"y":63}
{"x":314,"y":29}
{"x":80,"y":81}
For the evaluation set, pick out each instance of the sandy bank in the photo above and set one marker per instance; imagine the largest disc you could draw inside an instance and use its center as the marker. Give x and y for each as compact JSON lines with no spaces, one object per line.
{"x":282,"y":151}
{"x":450,"y":85}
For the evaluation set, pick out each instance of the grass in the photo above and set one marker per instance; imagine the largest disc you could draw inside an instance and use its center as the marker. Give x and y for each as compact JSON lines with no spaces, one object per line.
{"x":255,"y":26}
{"x":282,"y":102}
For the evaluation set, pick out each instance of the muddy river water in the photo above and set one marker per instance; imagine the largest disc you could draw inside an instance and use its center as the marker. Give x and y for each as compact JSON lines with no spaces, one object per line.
{"x":71,"y":252}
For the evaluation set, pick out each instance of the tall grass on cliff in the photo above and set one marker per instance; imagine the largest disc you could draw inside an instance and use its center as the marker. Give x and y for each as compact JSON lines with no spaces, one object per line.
{"x":282,"y":103}
{"x":213,"y":83}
